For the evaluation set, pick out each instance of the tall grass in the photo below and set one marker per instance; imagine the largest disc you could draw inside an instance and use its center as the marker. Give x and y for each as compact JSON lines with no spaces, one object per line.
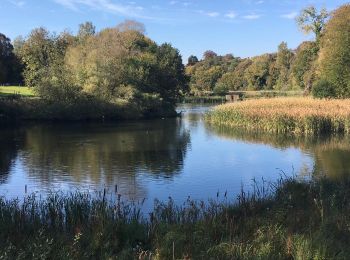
{"x":285,"y":220}
{"x":285,"y":115}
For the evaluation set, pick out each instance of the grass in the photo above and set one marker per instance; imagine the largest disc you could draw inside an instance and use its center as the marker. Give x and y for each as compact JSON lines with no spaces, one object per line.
{"x":297,"y":115}
{"x":16,"y":90}
{"x":284,"y":220}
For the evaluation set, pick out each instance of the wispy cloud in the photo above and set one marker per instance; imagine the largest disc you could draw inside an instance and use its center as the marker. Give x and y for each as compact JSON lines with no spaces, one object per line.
{"x":17,"y":3}
{"x":231,"y":15}
{"x":129,"y":10}
{"x":210,"y":14}
{"x":252,"y":16}
{"x":291,"y":15}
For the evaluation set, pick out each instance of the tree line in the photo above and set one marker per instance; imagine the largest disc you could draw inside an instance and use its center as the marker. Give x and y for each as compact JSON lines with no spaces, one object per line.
{"x":320,"y":66}
{"x":122,"y":65}
{"x":119,"y":65}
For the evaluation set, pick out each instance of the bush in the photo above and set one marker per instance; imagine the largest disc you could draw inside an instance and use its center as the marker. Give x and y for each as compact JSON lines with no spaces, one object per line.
{"x":220,"y":89}
{"x":323,"y":89}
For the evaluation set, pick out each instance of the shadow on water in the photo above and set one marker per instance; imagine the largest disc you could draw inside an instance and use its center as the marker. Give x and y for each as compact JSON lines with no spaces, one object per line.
{"x":331,"y":153}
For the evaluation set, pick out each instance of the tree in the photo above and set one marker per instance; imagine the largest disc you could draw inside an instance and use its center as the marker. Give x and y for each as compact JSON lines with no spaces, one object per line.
{"x":258,"y":72}
{"x":206,"y":79}
{"x":312,"y":20}
{"x":209,"y":55}
{"x":171,"y":73}
{"x":122,"y":65}
{"x":283,"y":64}
{"x":6,"y":53}
{"x":192,"y":60}
{"x":303,"y":68}
{"x":10,"y":67}
{"x":334,"y":57}
{"x":85,"y":30}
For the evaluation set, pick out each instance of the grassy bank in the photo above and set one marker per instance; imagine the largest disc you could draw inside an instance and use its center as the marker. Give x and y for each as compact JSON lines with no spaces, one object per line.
{"x":286,"y":115}
{"x":16,"y":90}
{"x":287,"y":220}
{"x":84,"y":108}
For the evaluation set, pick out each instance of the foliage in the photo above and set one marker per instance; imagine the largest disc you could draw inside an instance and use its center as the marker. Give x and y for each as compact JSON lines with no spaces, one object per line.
{"x":283,"y":220}
{"x":323,"y":89}
{"x":303,"y":68}
{"x":283,"y":65}
{"x":116,"y":65}
{"x":301,"y":116}
{"x":334,"y":55}
{"x":258,"y":72}
{"x":312,"y":20}
{"x":192,"y":60}
{"x":10,"y":66}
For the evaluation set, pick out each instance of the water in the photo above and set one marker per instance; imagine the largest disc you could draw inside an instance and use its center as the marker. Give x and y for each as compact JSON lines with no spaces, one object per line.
{"x":159,"y":158}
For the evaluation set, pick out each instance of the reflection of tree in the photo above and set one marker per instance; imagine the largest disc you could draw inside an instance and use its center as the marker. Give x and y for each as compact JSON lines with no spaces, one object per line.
{"x":331,"y":153}
{"x":10,"y":140}
{"x":108,"y":154}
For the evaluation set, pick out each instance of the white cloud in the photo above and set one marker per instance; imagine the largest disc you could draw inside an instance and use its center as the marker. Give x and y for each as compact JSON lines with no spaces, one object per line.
{"x":260,"y":2}
{"x":129,"y":10}
{"x":213,"y":14}
{"x":231,"y":15}
{"x":210,"y":14}
{"x":291,"y":15}
{"x":17,"y":3}
{"x":252,"y":16}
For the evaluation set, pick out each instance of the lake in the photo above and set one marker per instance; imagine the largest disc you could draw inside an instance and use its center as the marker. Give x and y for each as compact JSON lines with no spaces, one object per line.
{"x":164,"y":158}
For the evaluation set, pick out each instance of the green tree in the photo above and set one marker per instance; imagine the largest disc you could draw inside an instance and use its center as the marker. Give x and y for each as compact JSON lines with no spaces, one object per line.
{"x":258,"y":72}
{"x":334,"y":57}
{"x":303,"y":68}
{"x":283,"y":65}
{"x":10,"y":67}
{"x":312,"y":20}
{"x":85,"y":30}
{"x":192,"y":60}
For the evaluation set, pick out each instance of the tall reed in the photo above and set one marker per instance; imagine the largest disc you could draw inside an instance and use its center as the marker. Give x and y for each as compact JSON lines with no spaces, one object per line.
{"x":285,"y":115}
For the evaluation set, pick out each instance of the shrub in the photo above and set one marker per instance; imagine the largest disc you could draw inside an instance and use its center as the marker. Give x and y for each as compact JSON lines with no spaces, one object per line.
{"x":323,"y":89}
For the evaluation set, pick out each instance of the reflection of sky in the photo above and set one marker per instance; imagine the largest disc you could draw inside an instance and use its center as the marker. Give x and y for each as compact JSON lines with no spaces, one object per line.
{"x":212,"y":163}
{"x":216,"y":164}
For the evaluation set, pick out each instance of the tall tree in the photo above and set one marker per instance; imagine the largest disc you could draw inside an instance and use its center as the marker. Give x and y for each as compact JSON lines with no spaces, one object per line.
{"x":86,"y":29}
{"x":283,"y":64}
{"x":334,"y":58}
{"x":10,"y":67}
{"x":312,"y":20}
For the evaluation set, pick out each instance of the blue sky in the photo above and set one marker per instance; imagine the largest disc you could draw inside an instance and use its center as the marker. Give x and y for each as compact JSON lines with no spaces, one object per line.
{"x":241,"y":27}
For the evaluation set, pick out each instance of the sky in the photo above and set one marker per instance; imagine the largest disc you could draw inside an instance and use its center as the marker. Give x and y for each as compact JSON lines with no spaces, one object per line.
{"x":243,"y":28}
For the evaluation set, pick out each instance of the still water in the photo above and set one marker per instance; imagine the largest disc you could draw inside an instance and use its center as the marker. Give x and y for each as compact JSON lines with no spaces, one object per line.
{"x":159,"y":158}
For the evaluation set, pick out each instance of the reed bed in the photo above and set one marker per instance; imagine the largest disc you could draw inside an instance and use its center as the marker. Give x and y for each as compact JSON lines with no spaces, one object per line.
{"x":283,"y":220}
{"x":285,"y":115}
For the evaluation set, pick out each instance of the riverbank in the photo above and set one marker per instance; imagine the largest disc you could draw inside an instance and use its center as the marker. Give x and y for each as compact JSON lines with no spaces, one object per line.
{"x":18,"y":108}
{"x":285,"y":115}
{"x":285,"y":220}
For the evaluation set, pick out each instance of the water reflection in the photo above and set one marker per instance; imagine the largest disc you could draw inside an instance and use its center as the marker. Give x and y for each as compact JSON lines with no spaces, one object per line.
{"x":159,"y":158}
{"x":331,"y":154}
{"x":98,"y":155}
{"x":10,"y":142}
